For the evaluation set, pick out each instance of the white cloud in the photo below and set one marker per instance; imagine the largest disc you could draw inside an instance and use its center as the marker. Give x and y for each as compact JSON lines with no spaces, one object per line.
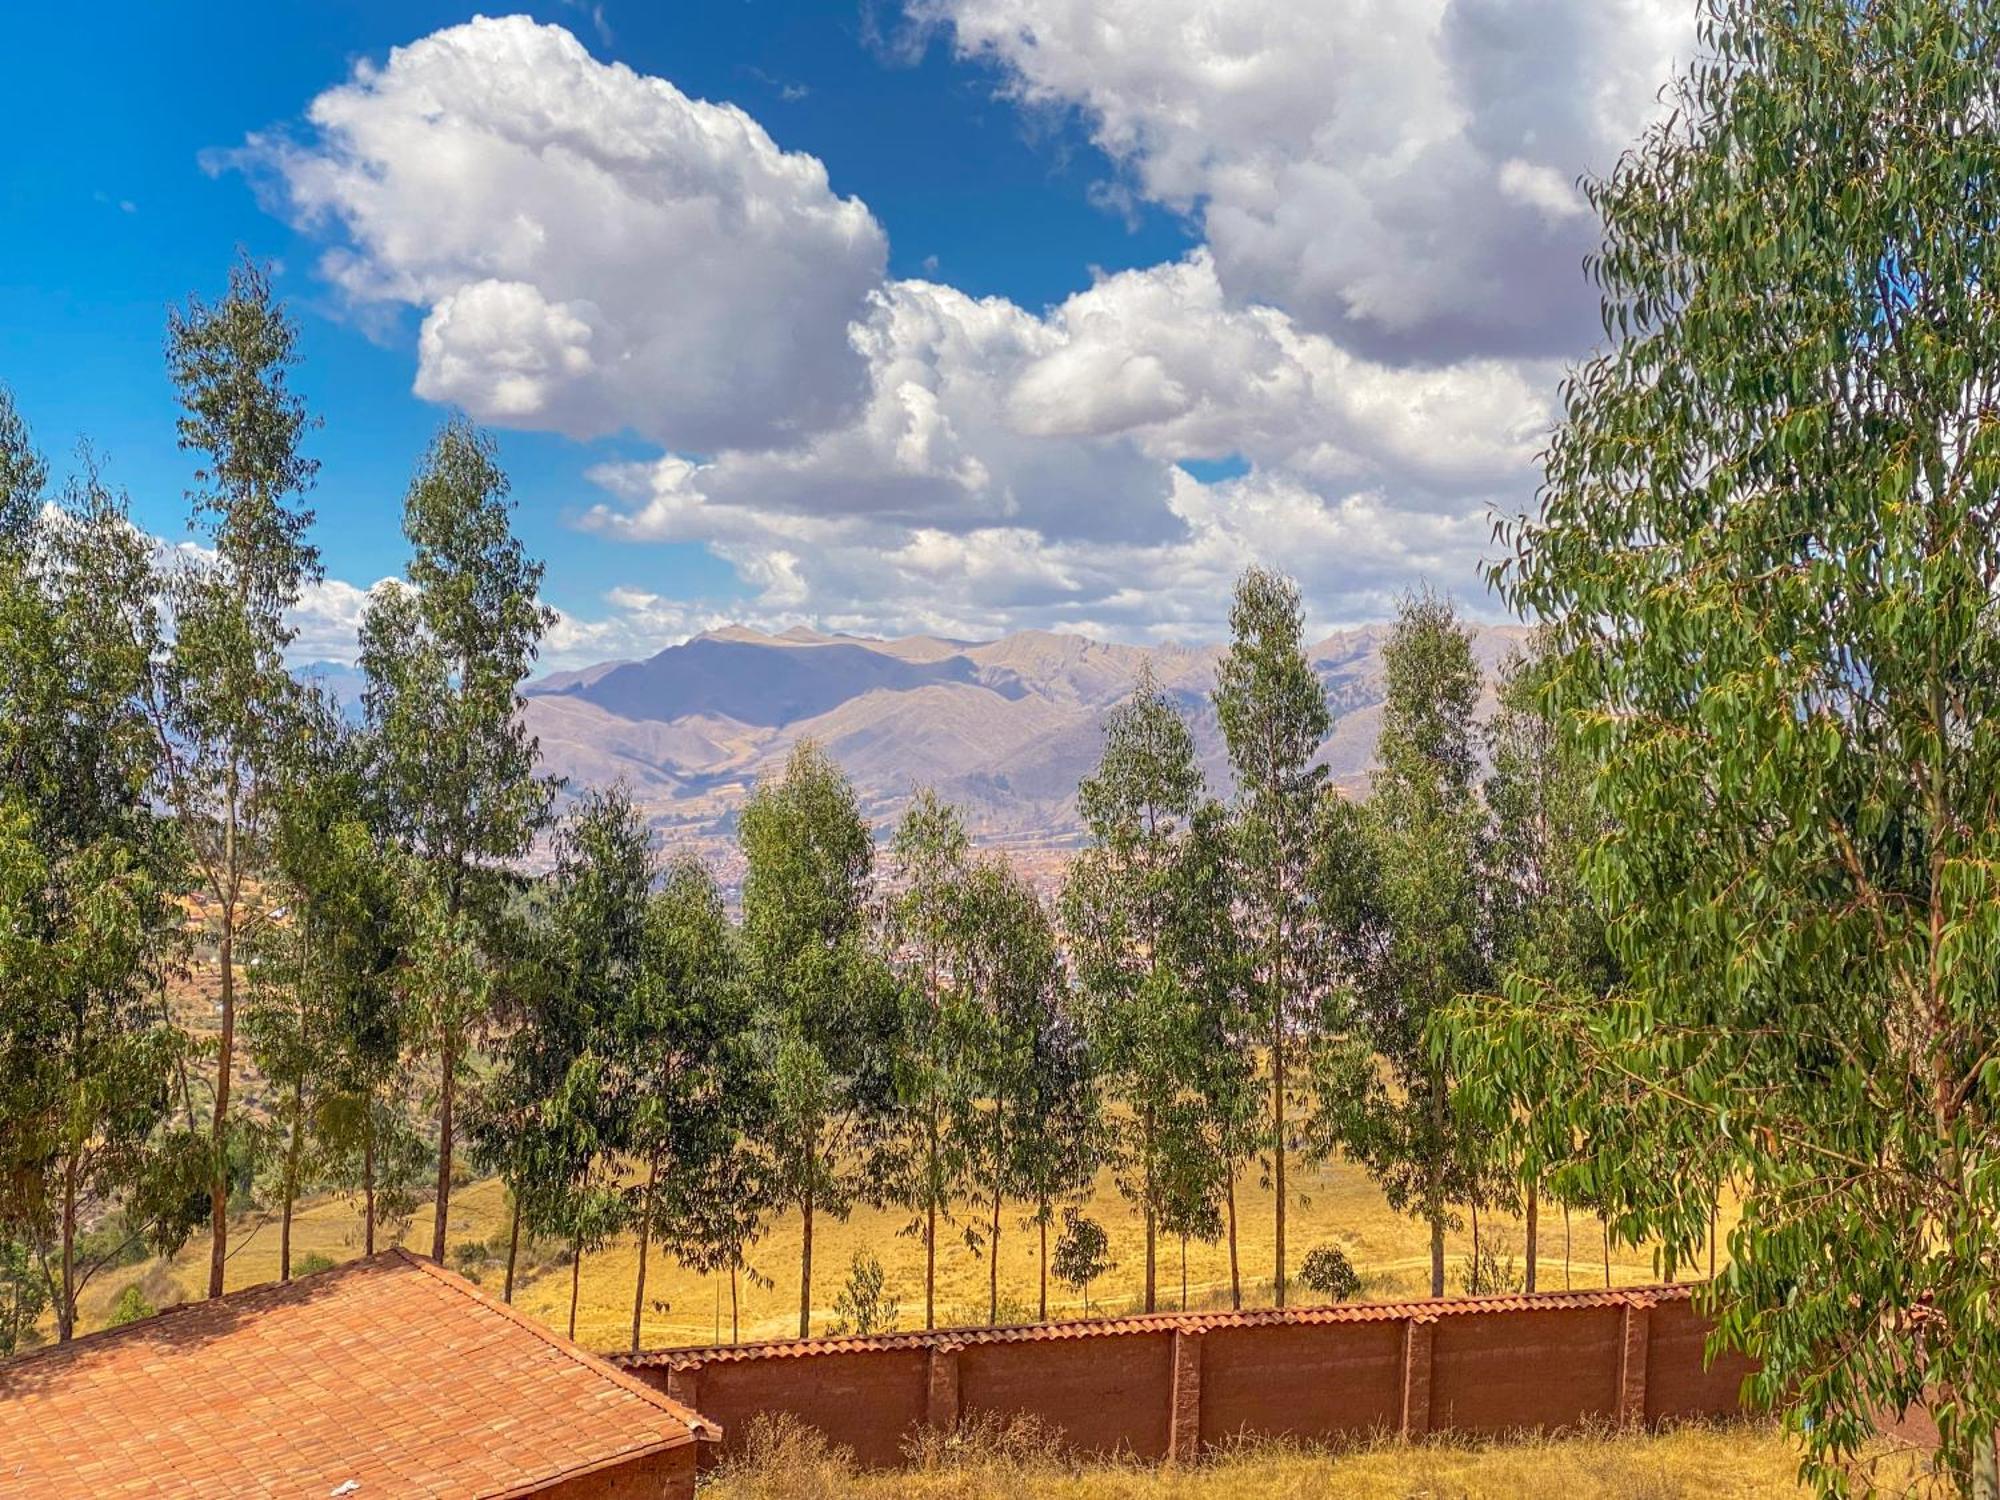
{"x":592,"y":250}
{"x":1371,"y":328}
{"x":1398,"y":173}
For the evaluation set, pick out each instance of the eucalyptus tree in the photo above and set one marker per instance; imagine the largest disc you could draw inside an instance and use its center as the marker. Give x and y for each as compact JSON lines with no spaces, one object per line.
{"x":938,"y":1052}
{"x":826,"y":1003}
{"x":89,"y":885}
{"x":1543,"y":925}
{"x":1205,"y":950}
{"x":1767,"y":549}
{"x":293,"y":1002}
{"x":1011,"y":967}
{"x":1117,"y":900}
{"x":223,"y":705}
{"x":1057,"y":1141}
{"x":552,"y":1112}
{"x":683,"y":1073}
{"x":1273,"y":713}
{"x":1410,"y":928}
{"x":444,"y":654}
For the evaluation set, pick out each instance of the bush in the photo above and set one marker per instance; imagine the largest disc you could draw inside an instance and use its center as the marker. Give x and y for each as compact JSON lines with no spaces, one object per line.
{"x":863,"y":1306}
{"x":130,"y":1307}
{"x":1489,"y":1275}
{"x":313,"y":1262}
{"x":1328,"y":1272}
{"x":1083,"y":1253}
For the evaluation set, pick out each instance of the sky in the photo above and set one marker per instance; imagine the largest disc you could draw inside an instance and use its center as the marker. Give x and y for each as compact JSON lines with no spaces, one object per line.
{"x":887,"y":316}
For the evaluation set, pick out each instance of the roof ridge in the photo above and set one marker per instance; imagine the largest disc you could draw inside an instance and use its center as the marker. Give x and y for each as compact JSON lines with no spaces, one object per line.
{"x":696,"y":1424}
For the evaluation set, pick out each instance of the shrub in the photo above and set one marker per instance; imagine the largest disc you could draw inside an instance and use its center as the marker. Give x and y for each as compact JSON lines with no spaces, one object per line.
{"x":863,"y":1306}
{"x":1328,"y":1272}
{"x":130,"y":1307}
{"x":1083,"y":1253}
{"x":312,"y":1262}
{"x":1488,"y":1275}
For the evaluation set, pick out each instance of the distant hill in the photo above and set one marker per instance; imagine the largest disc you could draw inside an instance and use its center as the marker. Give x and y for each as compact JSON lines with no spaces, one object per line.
{"x":1004,"y":728}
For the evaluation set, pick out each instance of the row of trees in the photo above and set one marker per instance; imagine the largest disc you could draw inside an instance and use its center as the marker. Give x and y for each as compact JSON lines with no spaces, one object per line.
{"x":160,"y":760}
{"x":1221,"y":987}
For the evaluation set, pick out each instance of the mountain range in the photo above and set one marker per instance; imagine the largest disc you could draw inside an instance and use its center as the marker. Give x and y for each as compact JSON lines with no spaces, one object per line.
{"x":1004,"y":728}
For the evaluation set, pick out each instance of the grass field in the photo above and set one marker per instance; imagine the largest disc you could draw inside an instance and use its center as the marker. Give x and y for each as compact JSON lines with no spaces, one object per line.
{"x":1342,"y":1207}
{"x":1692,"y":1463}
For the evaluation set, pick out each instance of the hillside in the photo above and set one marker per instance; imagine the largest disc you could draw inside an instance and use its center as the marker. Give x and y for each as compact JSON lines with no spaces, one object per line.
{"x":1005,"y":728}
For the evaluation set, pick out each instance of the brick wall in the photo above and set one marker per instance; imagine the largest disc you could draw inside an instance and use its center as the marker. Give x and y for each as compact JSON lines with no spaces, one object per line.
{"x":1168,"y":1385}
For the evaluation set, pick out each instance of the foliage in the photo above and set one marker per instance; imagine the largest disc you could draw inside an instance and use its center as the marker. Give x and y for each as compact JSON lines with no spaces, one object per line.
{"x":1405,"y":875}
{"x":131,"y":1305}
{"x":1273,"y":714}
{"x":690,"y":1104}
{"x":223,"y":704}
{"x":1327,"y":1271}
{"x":1083,"y":1253}
{"x":826,"y":1007}
{"x":863,"y":1306}
{"x":444,"y":654}
{"x":89,"y":927}
{"x":1766,"y":549}
{"x":941,"y":1038}
{"x":1141,"y":962}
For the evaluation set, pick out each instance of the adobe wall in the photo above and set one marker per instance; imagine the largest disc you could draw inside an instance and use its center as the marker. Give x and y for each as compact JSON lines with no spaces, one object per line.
{"x":1168,"y":1386}
{"x":660,"y":1476}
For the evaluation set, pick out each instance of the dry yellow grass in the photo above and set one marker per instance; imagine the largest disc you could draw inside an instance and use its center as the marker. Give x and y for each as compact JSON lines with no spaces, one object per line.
{"x":1691,"y":1463}
{"x":1342,"y":1207}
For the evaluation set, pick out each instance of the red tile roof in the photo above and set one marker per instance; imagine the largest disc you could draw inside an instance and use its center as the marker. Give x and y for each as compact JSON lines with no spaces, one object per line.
{"x":389,"y":1371}
{"x":1423,"y":1310}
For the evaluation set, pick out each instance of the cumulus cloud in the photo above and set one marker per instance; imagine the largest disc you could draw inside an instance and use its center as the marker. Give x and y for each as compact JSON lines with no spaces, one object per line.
{"x":1398,"y":173}
{"x":1372,"y":331}
{"x":590,"y":249}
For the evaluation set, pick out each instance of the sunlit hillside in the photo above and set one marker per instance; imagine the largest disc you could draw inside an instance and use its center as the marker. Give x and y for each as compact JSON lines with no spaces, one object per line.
{"x":1342,"y":1207}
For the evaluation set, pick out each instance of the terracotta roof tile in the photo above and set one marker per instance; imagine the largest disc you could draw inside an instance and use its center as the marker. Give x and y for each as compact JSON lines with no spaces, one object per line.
{"x":389,"y":1371}
{"x":1424,"y":1310}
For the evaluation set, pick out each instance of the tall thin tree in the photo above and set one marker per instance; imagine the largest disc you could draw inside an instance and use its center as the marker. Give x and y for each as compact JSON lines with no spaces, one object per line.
{"x":444,"y":655}
{"x":224,"y":704}
{"x":1274,"y":716}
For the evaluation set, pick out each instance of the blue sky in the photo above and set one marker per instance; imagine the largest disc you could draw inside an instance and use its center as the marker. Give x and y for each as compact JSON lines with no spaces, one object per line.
{"x":1282,"y":360}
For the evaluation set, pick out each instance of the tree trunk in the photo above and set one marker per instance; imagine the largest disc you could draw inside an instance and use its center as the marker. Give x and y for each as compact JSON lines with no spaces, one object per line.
{"x":993,"y":1267}
{"x":513,"y":1251}
{"x":575,"y":1283}
{"x":66,"y":1309}
{"x":218,"y":1182}
{"x":1146,"y":1145}
{"x":645,"y":1242}
{"x":291,"y":1181}
{"x":1151,"y":1232}
{"x":1434,"y":1180}
{"x":1713,"y":1210}
{"x":1278,"y":1106}
{"x":1534,"y":1225}
{"x":930,"y":1266}
{"x":368,"y":1182}
{"x":1607,"y":1252}
{"x":806,"y":1272}
{"x":1478,"y":1270}
{"x":1183,"y":1273}
{"x":1235,"y":1277}
{"x":735,"y":1332}
{"x":1042,"y":1315}
{"x":1566,"y":1248}
{"x":447,"y":1087}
